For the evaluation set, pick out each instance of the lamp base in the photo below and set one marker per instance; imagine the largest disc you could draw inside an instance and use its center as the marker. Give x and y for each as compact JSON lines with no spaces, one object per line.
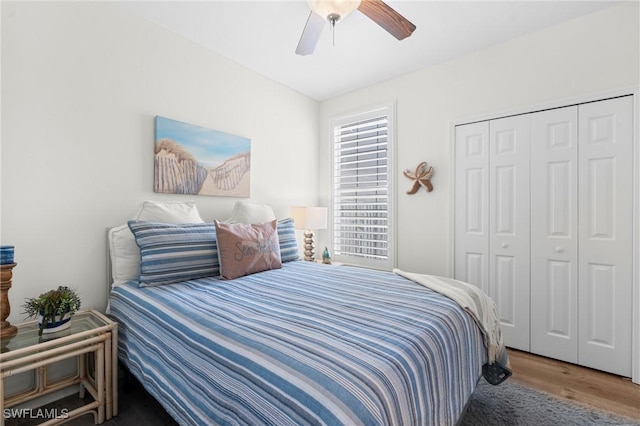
{"x":7,"y":330}
{"x":6,"y":273}
{"x":309,"y":246}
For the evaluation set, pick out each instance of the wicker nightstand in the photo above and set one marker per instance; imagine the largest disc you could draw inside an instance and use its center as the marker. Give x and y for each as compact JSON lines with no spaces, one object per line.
{"x":90,"y":333}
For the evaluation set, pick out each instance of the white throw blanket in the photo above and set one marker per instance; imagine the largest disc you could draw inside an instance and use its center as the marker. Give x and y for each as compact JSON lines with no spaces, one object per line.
{"x":473,"y":300}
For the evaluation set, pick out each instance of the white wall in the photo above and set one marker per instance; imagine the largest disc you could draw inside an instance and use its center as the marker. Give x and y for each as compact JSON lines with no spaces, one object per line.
{"x":590,"y":54}
{"x":81,"y":84}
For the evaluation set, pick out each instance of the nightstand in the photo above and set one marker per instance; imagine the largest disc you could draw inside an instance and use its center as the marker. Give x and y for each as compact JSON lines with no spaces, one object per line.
{"x":91,"y":340}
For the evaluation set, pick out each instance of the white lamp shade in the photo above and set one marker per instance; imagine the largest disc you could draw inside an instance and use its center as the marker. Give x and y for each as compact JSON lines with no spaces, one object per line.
{"x":341,"y":8}
{"x":309,"y":217}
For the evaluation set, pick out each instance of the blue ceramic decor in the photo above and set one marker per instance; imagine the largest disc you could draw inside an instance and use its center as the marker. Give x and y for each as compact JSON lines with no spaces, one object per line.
{"x":326,"y":256}
{"x":6,"y":255}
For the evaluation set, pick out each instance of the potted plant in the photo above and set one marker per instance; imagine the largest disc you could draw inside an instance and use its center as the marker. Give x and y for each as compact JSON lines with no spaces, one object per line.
{"x":53,"y":309}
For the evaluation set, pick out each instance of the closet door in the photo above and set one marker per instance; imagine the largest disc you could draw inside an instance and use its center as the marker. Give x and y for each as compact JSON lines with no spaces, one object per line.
{"x":471,"y":220}
{"x":605,"y":232}
{"x":554,"y":234}
{"x":509,"y":226}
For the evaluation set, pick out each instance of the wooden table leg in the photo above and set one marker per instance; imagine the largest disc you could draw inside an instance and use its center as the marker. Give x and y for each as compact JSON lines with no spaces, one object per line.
{"x":100,"y":382}
{"x":82,"y":373}
{"x":108,"y":380}
{"x":114,"y":368}
{"x":1,"y":400}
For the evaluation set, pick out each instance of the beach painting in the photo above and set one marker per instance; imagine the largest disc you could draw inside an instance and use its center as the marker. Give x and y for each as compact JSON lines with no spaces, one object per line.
{"x":195,"y":160}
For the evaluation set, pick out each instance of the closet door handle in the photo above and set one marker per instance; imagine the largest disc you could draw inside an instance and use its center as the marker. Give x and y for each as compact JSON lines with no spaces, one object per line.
{"x":504,"y":245}
{"x":559,"y":249}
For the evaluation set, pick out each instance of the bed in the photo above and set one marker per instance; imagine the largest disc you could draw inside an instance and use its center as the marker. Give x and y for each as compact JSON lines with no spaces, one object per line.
{"x":300,"y":344}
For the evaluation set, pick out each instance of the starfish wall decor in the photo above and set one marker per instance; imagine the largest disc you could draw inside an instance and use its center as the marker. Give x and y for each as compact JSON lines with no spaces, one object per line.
{"x":421,"y":177}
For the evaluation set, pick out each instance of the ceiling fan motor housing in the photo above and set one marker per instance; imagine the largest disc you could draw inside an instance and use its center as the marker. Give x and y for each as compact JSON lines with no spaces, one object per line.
{"x":333,"y":10}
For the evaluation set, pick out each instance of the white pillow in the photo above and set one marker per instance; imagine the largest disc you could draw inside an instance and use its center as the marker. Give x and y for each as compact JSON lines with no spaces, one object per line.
{"x":123,"y":250}
{"x":174,"y":212}
{"x":251,"y":213}
{"x":124,"y":254}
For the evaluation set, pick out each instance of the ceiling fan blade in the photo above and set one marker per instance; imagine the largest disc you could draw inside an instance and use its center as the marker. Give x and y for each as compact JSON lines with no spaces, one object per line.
{"x":310,"y":34}
{"x":383,"y":15}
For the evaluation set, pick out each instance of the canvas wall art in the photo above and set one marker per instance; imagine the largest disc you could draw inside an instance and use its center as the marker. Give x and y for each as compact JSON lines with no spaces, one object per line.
{"x":195,"y":160}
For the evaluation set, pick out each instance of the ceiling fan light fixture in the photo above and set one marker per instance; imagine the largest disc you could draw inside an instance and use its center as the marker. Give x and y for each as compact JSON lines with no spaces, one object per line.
{"x":333,"y":10}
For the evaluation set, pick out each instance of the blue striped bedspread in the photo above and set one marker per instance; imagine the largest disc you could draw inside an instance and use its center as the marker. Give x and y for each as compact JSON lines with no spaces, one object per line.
{"x":308,"y":344}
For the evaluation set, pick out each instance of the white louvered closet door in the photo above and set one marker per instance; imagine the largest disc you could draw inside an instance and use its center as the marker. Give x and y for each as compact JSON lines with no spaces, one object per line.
{"x":605,"y":233}
{"x":554,"y":233}
{"x":509,"y":215}
{"x":471,"y":217}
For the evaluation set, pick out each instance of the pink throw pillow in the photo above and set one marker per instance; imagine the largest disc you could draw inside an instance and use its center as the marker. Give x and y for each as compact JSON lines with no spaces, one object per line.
{"x":245,"y":249}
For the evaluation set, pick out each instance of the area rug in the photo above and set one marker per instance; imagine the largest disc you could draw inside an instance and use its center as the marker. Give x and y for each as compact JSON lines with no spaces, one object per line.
{"x":511,"y":404}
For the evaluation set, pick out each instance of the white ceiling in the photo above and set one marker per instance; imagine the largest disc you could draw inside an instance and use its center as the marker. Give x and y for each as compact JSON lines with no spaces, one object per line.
{"x":263,"y":35}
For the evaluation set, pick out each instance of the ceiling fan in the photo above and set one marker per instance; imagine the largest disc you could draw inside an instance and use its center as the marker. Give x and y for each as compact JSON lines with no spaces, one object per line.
{"x":334,"y":10}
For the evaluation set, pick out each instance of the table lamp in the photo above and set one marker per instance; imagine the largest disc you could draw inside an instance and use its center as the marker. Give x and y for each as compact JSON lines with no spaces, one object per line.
{"x":6,"y":274}
{"x":309,"y":219}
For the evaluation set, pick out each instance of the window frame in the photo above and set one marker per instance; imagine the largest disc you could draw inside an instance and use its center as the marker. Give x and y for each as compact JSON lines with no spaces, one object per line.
{"x":364,"y":114}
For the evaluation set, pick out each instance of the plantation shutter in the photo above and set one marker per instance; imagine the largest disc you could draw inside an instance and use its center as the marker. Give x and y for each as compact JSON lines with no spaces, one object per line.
{"x":361,"y":190}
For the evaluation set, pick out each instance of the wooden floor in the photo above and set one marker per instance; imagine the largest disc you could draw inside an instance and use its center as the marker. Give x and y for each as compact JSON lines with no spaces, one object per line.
{"x":578,"y":384}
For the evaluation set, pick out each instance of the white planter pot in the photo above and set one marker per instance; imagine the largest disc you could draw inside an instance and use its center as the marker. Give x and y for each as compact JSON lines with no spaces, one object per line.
{"x":62,"y":323}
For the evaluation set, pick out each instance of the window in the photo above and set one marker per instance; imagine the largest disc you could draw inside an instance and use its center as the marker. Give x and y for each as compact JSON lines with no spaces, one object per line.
{"x":362,"y":219}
